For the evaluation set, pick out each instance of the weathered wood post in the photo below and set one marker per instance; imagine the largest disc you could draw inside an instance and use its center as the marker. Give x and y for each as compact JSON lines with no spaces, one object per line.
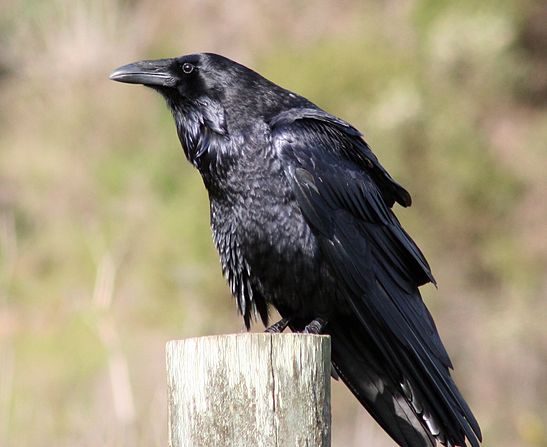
{"x":248,"y":390}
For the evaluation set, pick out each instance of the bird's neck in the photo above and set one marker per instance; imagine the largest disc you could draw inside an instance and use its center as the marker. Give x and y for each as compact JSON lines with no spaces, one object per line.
{"x":199,"y":130}
{"x":206,"y":143}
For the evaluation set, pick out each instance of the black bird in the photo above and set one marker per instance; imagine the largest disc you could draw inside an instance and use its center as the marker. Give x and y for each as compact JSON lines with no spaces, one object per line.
{"x":301,"y":216}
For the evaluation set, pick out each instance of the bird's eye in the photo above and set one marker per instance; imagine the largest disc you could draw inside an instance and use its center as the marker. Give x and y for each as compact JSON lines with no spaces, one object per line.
{"x":187,"y":68}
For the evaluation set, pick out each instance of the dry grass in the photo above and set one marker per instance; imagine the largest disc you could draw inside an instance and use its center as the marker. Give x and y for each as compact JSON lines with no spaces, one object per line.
{"x":105,"y":250}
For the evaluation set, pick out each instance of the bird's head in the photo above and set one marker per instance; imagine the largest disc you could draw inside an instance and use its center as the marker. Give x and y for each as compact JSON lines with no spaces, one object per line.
{"x":184,"y":79}
{"x":209,"y":96}
{"x":206,"y":76}
{"x":194,"y":87}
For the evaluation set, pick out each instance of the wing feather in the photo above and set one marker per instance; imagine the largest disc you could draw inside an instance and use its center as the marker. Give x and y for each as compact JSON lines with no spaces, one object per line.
{"x":374,"y":260}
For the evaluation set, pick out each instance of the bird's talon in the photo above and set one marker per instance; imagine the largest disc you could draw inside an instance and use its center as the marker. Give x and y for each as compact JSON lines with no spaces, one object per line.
{"x":315,"y":327}
{"x":278,"y":327}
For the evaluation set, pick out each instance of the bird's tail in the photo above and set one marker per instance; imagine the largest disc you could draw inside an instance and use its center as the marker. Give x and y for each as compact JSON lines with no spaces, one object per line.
{"x":392,"y":399}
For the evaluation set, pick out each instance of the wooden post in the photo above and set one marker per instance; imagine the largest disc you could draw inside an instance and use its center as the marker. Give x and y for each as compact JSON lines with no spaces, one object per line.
{"x":248,"y":390}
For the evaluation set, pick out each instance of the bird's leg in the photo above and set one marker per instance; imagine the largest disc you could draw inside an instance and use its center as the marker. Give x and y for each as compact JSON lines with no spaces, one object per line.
{"x":278,"y":327}
{"x":315,"y":327}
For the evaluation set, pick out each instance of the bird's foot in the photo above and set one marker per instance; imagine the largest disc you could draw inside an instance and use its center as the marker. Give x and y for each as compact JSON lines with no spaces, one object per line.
{"x":278,"y":327}
{"x":315,"y":327}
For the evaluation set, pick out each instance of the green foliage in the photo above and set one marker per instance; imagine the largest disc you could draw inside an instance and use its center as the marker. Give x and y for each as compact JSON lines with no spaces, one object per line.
{"x":105,"y":247}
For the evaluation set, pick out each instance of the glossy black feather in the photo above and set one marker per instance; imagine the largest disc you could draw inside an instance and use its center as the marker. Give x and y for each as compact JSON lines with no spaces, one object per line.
{"x":376,"y":264}
{"x":301,"y":217}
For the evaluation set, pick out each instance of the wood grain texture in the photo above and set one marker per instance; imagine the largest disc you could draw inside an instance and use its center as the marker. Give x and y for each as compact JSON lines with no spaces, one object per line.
{"x":268,"y":390}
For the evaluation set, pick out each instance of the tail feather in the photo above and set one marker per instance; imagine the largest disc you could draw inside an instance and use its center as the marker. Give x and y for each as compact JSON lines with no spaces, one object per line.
{"x":414,"y":412}
{"x":360,"y":367}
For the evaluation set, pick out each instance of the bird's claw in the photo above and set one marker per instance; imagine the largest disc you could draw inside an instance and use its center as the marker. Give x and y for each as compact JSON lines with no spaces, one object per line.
{"x":316,"y":326}
{"x":278,"y":327}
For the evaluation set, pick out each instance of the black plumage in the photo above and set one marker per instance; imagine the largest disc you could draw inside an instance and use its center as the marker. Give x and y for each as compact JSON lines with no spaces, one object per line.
{"x":301,"y":217}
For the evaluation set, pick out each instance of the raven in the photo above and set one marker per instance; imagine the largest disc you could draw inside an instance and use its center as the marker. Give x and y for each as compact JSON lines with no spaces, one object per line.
{"x":301,"y":216}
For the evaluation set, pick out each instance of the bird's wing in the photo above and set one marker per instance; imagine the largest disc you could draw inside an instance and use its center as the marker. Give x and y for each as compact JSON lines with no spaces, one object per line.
{"x":375,"y":261}
{"x":349,"y":145}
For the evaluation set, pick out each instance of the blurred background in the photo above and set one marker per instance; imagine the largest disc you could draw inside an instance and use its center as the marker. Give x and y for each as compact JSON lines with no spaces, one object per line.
{"x":105,"y":247}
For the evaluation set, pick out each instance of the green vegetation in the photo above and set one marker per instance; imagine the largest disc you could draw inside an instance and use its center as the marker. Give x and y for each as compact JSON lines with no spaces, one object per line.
{"x":105,"y":248}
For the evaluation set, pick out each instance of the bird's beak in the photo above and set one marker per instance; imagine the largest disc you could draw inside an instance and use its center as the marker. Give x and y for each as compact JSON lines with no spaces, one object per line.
{"x":151,"y":73}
